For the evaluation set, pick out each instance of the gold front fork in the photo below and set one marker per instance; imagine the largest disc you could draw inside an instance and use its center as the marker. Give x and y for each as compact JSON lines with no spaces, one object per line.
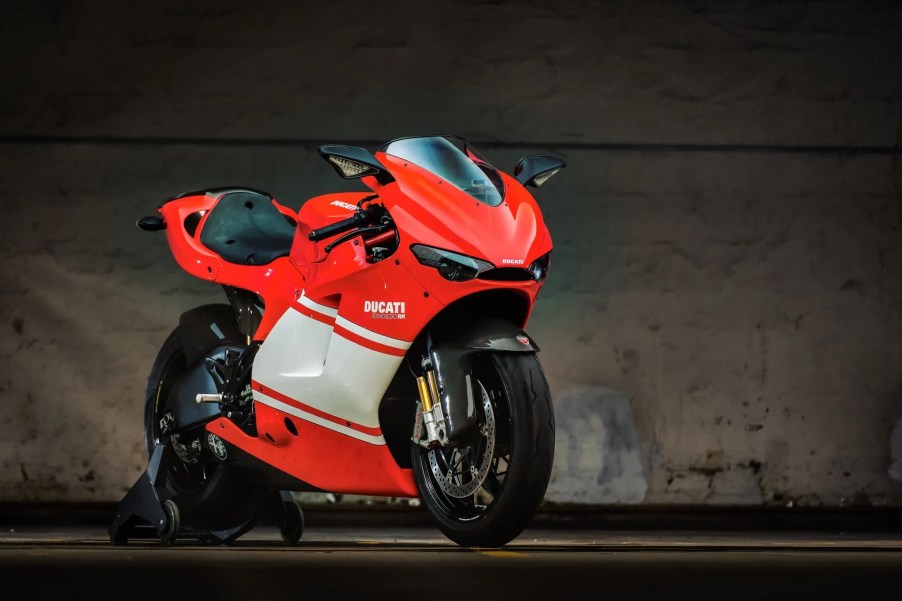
{"x":425,"y":396}
{"x":433,"y":418}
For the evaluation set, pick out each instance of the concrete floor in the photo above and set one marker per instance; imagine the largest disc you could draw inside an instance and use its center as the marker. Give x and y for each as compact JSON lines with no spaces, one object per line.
{"x":78,"y":562}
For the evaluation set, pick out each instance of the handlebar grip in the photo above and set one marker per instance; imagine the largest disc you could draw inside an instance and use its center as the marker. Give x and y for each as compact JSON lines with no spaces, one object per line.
{"x":357,"y":220}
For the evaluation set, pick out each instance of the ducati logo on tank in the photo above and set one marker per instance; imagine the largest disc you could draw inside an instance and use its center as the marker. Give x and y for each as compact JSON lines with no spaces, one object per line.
{"x":385,"y":309}
{"x":344,"y":205}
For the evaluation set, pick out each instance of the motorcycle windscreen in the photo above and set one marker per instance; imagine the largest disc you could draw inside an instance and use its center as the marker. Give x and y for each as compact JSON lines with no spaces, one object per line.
{"x":455,"y":161}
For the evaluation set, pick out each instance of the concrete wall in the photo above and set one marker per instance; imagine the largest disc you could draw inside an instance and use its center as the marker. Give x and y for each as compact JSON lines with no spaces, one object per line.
{"x":723,"y":321}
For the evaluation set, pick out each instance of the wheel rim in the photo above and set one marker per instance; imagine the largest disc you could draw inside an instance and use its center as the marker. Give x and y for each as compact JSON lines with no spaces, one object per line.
{"x":464,"y":498}
{"x":460,"y":472}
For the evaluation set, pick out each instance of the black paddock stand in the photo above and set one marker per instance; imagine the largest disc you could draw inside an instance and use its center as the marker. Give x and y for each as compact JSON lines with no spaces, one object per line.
{"x":146,"y":512}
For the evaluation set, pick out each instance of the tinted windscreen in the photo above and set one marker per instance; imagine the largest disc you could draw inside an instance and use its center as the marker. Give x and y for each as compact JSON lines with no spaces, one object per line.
{"x":448,"y":158}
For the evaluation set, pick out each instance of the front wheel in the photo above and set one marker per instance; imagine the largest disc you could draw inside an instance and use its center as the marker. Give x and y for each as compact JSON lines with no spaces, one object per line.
{"x":484,"y":493}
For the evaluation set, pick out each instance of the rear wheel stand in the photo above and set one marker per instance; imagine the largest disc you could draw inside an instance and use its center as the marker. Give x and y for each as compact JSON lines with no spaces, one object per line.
{"x":283,"y":512}
{"x":143,"y":512}
{"x":278,"y":509}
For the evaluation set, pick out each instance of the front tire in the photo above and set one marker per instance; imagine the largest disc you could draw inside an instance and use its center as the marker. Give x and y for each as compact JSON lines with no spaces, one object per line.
{"x":485,"y":493}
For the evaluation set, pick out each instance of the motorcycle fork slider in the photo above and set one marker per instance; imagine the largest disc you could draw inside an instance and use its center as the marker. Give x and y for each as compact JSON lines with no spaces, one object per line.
{"x":425,"y":397}
{"x":433,"y":387}
{"x":433,"y":418}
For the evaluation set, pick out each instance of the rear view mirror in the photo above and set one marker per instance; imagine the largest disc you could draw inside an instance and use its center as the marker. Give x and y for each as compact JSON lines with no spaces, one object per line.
{"x":535,"y":170}
{"x":352,"y":162}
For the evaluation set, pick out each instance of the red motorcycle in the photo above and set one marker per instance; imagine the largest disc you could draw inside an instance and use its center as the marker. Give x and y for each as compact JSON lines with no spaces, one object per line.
{"x":372,"y":344}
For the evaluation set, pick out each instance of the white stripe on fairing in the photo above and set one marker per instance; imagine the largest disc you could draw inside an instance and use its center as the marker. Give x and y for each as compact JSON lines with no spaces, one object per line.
{"x":315,"y":306}
{"x":304,"y":360}
{"x":299,"y":413}
{"x":370,"y":335}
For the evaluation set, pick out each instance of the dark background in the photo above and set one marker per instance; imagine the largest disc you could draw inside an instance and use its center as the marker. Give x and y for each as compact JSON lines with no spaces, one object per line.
{"x":723,"y":320}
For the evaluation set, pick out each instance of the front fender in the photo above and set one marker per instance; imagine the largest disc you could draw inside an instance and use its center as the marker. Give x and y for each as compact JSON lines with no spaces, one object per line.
{"x":453,"y":363}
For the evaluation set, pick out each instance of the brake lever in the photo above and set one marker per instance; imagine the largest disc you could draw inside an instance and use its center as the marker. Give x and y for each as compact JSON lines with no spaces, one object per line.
{"x":374,"y":229}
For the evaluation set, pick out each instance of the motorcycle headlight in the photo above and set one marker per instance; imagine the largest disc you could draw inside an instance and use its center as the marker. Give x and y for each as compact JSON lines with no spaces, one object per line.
{"x":539,"y":268}
{"x":451,"y":265}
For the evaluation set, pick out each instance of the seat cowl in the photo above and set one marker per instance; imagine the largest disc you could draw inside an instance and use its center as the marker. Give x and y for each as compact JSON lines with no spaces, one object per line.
{"x":246,"y":227}
{"x":218,"y":191}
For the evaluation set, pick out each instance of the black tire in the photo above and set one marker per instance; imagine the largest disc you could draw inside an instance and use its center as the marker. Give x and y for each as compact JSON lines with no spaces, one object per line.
{"x":170,"y":530}
{"x":291,"y":527}
{"x":209,"y":495}
{"x":521,"y":461}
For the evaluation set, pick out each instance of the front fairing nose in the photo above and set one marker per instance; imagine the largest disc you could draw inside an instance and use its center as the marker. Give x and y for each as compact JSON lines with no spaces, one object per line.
{"x":506,"y":234}
{"x":434,"y":212}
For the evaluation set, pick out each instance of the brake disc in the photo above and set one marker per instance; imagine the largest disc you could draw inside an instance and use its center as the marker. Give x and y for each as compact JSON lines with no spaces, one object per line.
{"x":459,"y":485}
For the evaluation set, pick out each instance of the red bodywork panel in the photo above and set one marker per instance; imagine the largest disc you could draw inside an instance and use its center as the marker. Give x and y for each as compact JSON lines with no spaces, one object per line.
{"x":326,"y":459}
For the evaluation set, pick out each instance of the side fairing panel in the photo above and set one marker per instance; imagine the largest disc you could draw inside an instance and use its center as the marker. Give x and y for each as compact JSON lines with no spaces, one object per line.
{"x":330,"y":365}
{"x":325,"y":376}
{"x":321,"y":457}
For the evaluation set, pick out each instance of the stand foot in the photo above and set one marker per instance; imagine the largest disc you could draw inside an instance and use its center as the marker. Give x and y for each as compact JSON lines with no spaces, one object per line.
{"x":225,"y":537}
{"x":145,"y":511}
{"x":142,"y":509}
{"x":283,"y":511}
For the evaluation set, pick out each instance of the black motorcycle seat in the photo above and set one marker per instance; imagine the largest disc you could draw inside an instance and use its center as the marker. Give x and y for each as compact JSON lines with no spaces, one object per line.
{"x":245,"y":227}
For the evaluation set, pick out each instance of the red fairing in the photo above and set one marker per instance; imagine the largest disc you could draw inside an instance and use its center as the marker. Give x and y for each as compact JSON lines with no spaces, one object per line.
{"x":321,"y":457}
{"x":440,"y":215}
{"x":444,"y":216}
{"x":512,"y":234}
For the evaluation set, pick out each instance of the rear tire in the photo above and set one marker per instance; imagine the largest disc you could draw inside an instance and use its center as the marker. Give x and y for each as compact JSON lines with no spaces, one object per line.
{"x":522,"y":452}
{"x":209,"y":495}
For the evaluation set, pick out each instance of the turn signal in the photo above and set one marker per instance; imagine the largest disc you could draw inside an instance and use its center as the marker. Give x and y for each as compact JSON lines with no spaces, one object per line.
{"x":351,"y":169}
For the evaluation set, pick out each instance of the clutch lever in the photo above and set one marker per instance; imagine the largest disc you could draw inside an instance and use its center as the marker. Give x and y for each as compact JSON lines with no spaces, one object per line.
{"x":373,"y":229}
